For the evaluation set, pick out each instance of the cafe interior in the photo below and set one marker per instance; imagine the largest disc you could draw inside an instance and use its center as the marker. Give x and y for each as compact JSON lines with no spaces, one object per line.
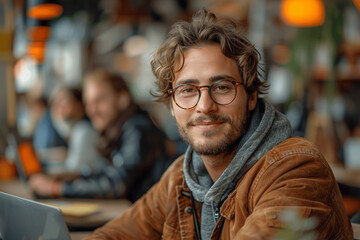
{"x":310,"y":56}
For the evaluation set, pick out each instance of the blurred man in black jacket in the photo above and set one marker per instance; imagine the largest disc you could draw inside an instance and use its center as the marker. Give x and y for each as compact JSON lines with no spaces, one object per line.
{"x":137,"y":150}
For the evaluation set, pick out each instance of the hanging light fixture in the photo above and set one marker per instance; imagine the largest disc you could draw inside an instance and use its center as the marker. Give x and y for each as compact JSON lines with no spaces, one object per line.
{"x":39,"y":13}
{"x":38,"y":30}
{"x":38,"y":33}
{"x":303,"y":13}
{"x":43,"y":9}
{"x":36,"y":50}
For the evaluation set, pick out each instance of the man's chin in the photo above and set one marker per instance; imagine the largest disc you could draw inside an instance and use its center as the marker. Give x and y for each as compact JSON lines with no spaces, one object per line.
{"x":209,"y":149}
{"x":215,"y":145}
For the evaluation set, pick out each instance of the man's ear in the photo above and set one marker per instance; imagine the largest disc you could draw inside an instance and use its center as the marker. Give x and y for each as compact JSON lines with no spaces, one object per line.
{"x":124,"y":99}
{"x":252,"y":101}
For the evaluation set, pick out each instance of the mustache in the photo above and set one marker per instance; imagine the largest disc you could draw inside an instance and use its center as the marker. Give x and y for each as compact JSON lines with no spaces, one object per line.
{"x":213,"y":118}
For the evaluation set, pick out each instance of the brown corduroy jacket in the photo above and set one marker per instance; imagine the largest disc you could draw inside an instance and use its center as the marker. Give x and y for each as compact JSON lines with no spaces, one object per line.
{"x":293,"y":177}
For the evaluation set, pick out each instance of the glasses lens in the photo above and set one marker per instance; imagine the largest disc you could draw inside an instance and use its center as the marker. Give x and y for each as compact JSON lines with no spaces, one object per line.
{"x":186,"y":96}
{"x":223,"y":92}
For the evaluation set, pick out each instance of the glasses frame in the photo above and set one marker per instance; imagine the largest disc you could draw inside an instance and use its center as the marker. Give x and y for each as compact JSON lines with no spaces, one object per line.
{"x":198,"y":88}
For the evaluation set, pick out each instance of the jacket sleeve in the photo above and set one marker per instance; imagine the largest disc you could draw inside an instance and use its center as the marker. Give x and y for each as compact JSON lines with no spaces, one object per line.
{"x":295,"y":194}
{"x":145,"y":219}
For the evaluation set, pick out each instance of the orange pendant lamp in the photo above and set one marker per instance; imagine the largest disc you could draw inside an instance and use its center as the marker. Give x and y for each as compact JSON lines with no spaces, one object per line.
{"x":36,"y":50}
{"x":302,"y":13}
{"x":38,"y":30}
{"x":43,"y":9}
{"x":38,"y":33}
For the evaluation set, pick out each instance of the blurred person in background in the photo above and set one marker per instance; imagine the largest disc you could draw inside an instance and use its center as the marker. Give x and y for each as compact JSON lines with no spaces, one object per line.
{"x":71,"y":123}
{"x":45,"y":134}
{"x":48,"y":141}
{"x":137,"y":150}
{"x":77,"y":128}
{"x":243,"y":175}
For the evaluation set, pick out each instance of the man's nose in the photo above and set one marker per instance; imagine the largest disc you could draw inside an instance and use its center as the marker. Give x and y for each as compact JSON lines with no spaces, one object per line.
{"x":205,"y":104}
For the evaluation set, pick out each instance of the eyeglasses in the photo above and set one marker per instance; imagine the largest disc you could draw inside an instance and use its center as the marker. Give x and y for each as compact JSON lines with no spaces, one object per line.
{"x":187,"y":96}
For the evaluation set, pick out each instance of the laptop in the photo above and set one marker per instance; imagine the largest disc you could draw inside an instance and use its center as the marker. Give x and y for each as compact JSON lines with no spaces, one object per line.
{"x":29,"y":220}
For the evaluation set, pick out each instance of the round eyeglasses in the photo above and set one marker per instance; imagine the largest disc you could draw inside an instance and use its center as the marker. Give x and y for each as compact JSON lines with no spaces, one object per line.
{"x":187,"y":96}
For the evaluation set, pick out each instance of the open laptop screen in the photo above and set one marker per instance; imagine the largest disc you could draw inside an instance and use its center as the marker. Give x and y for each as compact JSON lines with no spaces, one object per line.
{"x":29,"y":220}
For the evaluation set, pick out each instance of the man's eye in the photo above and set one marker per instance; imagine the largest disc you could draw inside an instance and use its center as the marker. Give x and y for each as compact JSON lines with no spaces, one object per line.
{"x":221,"y":88}
{"x":186,"y":90}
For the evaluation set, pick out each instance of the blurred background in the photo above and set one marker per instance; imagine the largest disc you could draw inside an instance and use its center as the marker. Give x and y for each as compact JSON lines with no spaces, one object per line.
{"x":310,"y":56}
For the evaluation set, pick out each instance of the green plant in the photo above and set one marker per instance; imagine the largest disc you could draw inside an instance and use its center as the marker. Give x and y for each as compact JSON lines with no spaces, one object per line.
{"x":295,"y":227}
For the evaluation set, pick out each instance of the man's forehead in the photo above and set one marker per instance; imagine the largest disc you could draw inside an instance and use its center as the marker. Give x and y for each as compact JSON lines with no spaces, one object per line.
{"x":98,"y":87}
{"x":193,"y":67}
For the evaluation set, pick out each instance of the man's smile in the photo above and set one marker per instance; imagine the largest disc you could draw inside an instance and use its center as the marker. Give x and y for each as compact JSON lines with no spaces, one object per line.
{"x":207,"y":125}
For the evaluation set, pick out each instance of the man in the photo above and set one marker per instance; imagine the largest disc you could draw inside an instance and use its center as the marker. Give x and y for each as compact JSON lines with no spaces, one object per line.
{"x":137,"y":150}
{"x":242,"y":171}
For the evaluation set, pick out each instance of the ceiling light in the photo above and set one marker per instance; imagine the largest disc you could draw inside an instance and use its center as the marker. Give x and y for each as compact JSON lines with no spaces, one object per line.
{"x":43,"y":9}
{"x":303,"y":13}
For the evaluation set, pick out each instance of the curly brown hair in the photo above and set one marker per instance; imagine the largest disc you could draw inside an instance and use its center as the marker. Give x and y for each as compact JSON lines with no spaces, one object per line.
{"x":205,"y":29}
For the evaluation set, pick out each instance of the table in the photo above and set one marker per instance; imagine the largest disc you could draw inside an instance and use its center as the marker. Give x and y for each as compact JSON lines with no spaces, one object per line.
{"x":108,"y":208}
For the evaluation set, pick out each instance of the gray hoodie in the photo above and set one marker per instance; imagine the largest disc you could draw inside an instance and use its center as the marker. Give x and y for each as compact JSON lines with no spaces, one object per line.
{"x":267,"y":128}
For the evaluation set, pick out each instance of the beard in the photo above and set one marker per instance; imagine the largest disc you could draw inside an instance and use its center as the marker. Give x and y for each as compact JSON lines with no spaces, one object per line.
{"x":225,"y":144}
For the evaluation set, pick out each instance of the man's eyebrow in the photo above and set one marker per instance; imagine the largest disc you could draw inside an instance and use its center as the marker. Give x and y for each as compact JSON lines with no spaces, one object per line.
{"x":222,"y":77}
{"x":187,"y":81}
{"x":211,"y":79}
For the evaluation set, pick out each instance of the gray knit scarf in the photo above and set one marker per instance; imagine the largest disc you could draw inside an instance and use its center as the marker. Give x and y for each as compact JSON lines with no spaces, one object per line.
{"x":267,"y":128}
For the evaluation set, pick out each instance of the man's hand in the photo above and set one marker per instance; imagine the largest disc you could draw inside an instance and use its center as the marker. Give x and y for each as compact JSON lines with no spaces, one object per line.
{"x":44,"y":185}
